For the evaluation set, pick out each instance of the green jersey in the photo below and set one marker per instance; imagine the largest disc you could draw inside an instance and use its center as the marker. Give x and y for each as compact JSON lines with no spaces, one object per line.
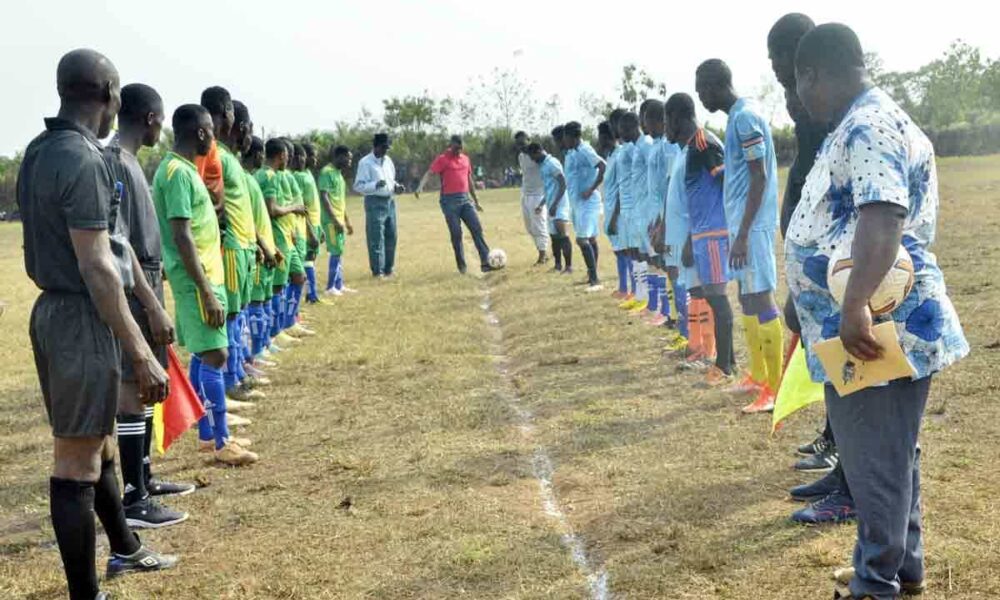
{"x":296,"y":192}
{"x":261,"y":220}
{"x":240,"y":232}
{"x":310,"y":195}
{"x":179,"y":193}
{"x":331,"y":181}
{"x":272,"y":186}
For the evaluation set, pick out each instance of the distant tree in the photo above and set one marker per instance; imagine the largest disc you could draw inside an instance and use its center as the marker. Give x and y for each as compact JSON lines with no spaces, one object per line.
{"x":638,"y":85}
{"x":770,"y":98}
{"x":595,"y":107}
{"x":503,"y":99}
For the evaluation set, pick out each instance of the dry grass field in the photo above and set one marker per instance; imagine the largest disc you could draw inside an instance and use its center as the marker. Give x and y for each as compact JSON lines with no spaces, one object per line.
{"x":401,"y":448}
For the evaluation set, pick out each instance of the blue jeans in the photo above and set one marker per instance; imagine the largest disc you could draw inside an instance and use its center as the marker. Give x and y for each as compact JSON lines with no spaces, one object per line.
{"x":458,"y":209}
{"x":876,"y":431}
{"x":380,"y":229}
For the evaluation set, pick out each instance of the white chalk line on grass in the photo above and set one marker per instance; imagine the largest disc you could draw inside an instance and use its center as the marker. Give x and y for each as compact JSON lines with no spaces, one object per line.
{"x":542,"y":469}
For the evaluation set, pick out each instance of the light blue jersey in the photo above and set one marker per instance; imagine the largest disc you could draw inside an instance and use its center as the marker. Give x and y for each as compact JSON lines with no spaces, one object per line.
{"x":581,"y":172}
{"x":640,"y":170}
{"x":624,"y":156}
{"x":748,"y":138}
{"x":678,"y":223}
{"x":612,"y":182}
{"x":550,"y":170}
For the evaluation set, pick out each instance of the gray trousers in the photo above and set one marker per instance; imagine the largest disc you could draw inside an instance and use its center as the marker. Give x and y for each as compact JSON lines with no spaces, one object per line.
{"x":876,"y":431}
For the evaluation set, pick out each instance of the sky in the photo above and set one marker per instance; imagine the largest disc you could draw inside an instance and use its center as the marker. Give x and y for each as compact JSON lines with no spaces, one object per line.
{"x":302,"y":65}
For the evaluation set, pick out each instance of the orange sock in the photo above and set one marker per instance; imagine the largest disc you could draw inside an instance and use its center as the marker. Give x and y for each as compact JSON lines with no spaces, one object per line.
{"x":694,"y":327}
{"x":708,"y":328}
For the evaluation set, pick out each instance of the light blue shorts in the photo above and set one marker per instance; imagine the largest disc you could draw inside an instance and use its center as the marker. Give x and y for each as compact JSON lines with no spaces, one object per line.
{"x":587,"y":216}
{"x":761,"y":273}
{"x":562,"y":214}
{"x":625,"y":237}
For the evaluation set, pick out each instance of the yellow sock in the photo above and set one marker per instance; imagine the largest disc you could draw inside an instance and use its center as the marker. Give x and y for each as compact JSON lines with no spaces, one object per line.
{"x":772,"y":349}
{"x":758,"y":368}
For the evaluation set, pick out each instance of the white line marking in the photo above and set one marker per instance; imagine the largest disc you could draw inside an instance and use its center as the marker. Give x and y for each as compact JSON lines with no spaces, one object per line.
{"x":542,"y":468}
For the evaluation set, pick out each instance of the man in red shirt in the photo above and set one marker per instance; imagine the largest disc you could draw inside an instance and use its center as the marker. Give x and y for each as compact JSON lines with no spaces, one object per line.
{"x":455,"y":170}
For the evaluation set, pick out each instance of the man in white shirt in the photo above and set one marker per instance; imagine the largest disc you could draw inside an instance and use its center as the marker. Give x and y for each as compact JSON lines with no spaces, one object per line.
{"x":532,"y":195}
{"x":376,"y":181}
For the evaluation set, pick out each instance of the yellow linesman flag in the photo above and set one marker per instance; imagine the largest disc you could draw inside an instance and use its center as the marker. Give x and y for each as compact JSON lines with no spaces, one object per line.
{"x":797,"y":389}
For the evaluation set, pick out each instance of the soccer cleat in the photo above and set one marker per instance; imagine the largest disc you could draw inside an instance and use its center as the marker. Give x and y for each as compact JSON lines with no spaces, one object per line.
{"x":333,"y":292}
{"x":629,"y":304}
{"x":287,"y":340}
{"x":150,"y":514}
{"x":208,"y":446}
{"x":678,"y":345}
{"x":716,"y":378}
{"x":254,"y":381}
{"x":242,"y":393}
{"x":238,"y":405}
{"x":746,"y":386}
{"x":237,"y":421}
{"x":143,"y":561}
{"x":695,"y":361}
{"x":235,"y":455}
{"x":821,"y":488}
{"x":833,"y":509}
{"x":298,"y":330}
{"x":593,"y":289}
{"x":814,"y":447}
{"x":638,"y":308}
{"x":156,"y":487}
{"x":763,"y":404}
{"x":826,"y":460}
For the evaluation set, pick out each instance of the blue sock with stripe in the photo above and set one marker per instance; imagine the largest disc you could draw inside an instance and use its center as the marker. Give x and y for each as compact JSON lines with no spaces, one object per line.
{"x":205,"y":429}
{"x":654,"y":293}
{"x":665,"y":295}
{"x":681,"y":302}
{"x":231,"y":374}
{"x":242,"y":354}
{"x":311,"y":278}
{"x":213,"y":382}
{"x":277,"y":310}
{"x":256,"y":319}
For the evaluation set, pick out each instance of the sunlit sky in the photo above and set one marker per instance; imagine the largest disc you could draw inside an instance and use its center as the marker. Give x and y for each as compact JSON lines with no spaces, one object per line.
{"x":301,"y":65}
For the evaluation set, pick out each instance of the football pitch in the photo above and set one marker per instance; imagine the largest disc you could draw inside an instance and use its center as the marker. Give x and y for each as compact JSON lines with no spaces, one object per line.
{"x":511,"y":436}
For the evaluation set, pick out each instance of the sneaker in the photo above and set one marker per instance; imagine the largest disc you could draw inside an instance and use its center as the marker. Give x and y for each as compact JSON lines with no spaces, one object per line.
{"x":298,"y":330}
{"x":638,"y":308}
{"x":593,"y":289}
{"x":333,"y":292}
{"x":826,"y":460}
{"x":348,"y":290}
{"x":235,"y":455}
{"x":716,"y":378}
{"x":256,"y":381}
{"x":208,"y":446}
{"x":629,"y":304}
{"x":906,"y":588}
{"x":696,"y":361}
{"x":746,"y":386}
{"x":150,"y":514}
{"x":237,"y":421}
{"x":835,"y":508}
{"x":814,"y":447}
{"x":237,"y":405}
{"x":678,"y":345}
{"x":763,"y":404}
{"x":156,"y":487}
{"x":143,"y":561}
{"x":817,"y":490}
{"x":287,"y":340}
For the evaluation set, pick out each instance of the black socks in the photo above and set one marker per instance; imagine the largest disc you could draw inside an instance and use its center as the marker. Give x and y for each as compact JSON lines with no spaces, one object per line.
{"x":108,"y":506}
{"x":131,"y":449}
{"x":71,"y":504}
{"x":588,"y":257}
{"x":724,"y":358}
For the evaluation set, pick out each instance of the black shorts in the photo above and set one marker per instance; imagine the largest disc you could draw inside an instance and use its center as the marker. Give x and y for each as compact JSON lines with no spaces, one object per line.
{"x":155,"y":279}
{"x":78,"y":360}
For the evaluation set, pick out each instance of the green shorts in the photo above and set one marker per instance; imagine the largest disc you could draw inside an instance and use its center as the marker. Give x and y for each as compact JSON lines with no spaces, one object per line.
{"x":263,"y":286}
{"x":280,"y":274}
{"x":296,"y":264}
{"x":334,"y":241}
{"x":313,"y":250}
{"x":237,"y":262}
{"x":193,"y":331}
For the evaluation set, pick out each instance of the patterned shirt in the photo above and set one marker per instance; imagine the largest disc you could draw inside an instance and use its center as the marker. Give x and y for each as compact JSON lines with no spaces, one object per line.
{"x":875,"y":154}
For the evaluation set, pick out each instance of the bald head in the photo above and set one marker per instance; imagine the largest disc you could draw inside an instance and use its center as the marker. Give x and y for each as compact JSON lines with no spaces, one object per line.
{"x":88,"y":87}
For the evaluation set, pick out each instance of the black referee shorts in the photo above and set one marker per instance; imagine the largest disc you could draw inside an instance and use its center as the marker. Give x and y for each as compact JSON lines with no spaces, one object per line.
{"x":155,"y":279}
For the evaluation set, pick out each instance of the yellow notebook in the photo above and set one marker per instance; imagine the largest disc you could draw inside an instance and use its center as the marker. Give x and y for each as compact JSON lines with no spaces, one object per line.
{"x":849,"y":375}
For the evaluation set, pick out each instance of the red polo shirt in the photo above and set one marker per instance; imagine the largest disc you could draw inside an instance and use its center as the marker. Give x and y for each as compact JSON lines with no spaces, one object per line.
{"x":454,"y":172}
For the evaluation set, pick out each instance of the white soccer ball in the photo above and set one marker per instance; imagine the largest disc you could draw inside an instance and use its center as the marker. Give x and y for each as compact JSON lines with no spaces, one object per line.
{"x":890,"y":293}
{"x":497,"y":258}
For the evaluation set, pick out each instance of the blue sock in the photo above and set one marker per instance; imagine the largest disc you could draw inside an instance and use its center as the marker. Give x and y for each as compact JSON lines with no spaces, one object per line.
{"x":311,"y":278}
{"x":282,"y":315}
{"x":621,"y":261}
{"x":665,"y":297}
{"x":241,"y":345}
{"x":205,"y":423}
{"x":295,"y":296}
{"x":681,"y":300}
{"x":277,"y":310}
{"x":213,"y":382}
{"x":231,"y":370}
{"x":335,"y":276}
{"x":633,"y":280}
{"x":654,"y":293}
{"x":256,"y":318}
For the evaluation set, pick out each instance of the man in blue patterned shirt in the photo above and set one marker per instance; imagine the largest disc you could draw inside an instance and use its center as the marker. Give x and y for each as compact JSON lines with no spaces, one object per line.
{"x":873,"y":186}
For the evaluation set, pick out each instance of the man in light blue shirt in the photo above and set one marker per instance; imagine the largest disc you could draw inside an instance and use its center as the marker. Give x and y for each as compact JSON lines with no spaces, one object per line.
{"x":584,"y":174}
{"x":751,"y":202}
{"x":607,"y":133}
{"x":556,"y":203}
{"x":376,"y":181}
{"x":639,"y":184}
{"x":627,"y":129}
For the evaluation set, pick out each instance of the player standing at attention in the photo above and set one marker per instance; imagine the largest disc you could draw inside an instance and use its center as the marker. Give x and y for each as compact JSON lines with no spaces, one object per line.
{"x":140,"y":121}
{"x":556,"y":204}
{"x":336,"y":223}
{"x":607,"y":132}
{"x":300,"y":239}
{"x":455,"y":171}
{"x":584,"y":175}
{"x":305,"y":159}
{"x":536,"y":221}
{"x":627,"y":130}
{"x":751,"y":200}
{"x":68,"y":204}
{"x":633,"y":217}
{"x":194,"y":268}
{"x":705,"y":249}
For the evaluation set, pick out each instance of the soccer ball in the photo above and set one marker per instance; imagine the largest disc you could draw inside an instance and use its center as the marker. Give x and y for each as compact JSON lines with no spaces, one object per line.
{"x":497,"y":258}
{"x":890,"y":293}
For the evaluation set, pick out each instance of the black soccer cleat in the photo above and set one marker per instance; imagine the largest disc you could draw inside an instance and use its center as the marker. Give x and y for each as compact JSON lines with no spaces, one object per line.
{"x":150,"y":514}
{"x":155,"y":487}
{"x":825,"y":460}
{"x":813,"y":447}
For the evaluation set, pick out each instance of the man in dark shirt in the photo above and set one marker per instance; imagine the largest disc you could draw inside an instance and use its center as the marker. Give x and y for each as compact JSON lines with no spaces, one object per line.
{"x":67,"y":200}
{"x":833,"y":500}
{"x":139,"y":123}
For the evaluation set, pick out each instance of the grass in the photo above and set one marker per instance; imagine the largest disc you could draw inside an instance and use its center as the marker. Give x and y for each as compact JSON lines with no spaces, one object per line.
{"x":393,"y":465}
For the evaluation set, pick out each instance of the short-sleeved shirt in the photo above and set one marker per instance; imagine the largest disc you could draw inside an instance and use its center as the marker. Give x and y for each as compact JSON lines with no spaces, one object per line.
{"x":876,"y":154}
{"x":210,"y":169}
{"x":272,"y":185}
{"x":704,"y":167}
{"x":454,"y":171}
{"x":331,"y":181}
{"x":136,"y":214}
{"x":659,"y":166}
{"x":550,"y":170}
{"x":64,"y":183}
{"x":581,"y":170}
{"x":179,"y":193}
{"x":310,"y":195}
{"x":625,"y":154}
{"x":640,"y":171}
{"x":677,"y":215}
{"x":748,"y":138}
{"x":293,"y":195}
{"x":531,"y":176}
{"x":240,"y":231}
{"x":612,"y":180}
{"x":261,"y":219}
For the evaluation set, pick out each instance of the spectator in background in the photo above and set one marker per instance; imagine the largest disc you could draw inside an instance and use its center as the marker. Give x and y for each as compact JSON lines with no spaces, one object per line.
{"x":376,"y":181}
